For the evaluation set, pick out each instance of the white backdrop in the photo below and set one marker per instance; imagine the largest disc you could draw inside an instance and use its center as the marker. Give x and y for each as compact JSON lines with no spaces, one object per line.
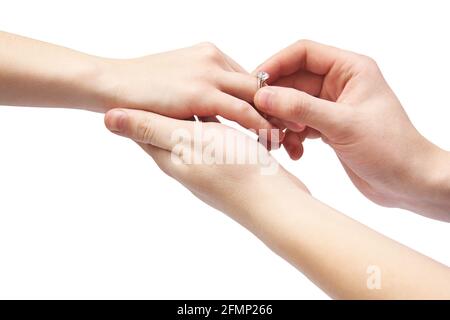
{"x":86,"y":214}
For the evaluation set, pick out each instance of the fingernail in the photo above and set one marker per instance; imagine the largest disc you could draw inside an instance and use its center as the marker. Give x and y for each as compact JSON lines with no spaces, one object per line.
{"x":264,"y":98}
{"x":115,"y":120}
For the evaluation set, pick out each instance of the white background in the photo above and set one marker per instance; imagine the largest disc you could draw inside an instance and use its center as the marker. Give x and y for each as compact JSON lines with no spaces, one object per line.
{"x":86,"y":214}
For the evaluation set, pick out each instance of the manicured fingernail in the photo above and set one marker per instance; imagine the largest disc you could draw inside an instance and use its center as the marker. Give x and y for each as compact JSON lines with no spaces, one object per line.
{"x":264,"y":98}
{"x":115,"y":120}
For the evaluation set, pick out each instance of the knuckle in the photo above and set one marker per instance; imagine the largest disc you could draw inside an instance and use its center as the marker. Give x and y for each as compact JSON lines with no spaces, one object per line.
{"x":210,"y":51}
{"x":193,"y":91}
{"x":242,"y":112}
{"x":369,"y":60}
{"x":243,"y":107}
{"x":211,"y":76}
{"x":304,"y":42}
{"x":299,"y":105}
{"x":145,"y":131}
{"x":368,"y":63}
{"x":193,"y":94}
{"x":205,"y":44}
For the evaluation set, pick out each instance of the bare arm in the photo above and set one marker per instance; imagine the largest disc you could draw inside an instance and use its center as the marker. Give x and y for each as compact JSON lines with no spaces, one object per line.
{"x":343,"y":257}
{"x":35,"y":73}
{"x":199,"y":80}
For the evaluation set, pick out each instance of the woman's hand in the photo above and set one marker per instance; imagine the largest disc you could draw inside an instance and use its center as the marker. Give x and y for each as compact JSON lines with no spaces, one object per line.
{"x":220,"y":165}
{"x":236,"y":175}
{"x":343,"y":98}
{"x":199,"y":80}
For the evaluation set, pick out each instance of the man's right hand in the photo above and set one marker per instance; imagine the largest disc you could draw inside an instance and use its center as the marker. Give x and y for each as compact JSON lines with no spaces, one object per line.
{"x":343,"y":98}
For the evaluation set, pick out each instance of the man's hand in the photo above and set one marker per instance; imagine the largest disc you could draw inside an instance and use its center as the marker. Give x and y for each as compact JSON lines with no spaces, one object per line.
{"x":343,"y":98}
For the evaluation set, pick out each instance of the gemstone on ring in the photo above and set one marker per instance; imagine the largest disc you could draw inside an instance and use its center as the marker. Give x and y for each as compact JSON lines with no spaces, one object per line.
{"x":262,"y":76}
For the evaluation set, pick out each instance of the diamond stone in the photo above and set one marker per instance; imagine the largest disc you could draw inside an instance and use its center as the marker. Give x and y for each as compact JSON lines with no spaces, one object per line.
{"x":263,"y":76}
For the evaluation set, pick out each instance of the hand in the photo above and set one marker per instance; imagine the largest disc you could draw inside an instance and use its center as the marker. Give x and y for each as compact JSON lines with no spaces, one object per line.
{"x":343,"y":98}
{"x":200,"y":80}
{"x":223,"y":167}
{"x":277,"y":208}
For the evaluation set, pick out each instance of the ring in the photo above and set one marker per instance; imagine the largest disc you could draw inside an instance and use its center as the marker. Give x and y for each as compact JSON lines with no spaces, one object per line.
{"x":262,"y":77}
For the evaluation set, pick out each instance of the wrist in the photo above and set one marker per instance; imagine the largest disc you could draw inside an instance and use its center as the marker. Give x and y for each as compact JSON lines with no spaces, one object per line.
{"x":265,"y":198}
{"x":431,"y":183}
{"x":130,"y":83}
{"x":102,"y":83}
{"x":85,"y":83}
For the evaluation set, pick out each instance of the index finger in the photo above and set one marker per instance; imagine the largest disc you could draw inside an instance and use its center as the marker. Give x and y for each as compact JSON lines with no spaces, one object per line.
{"x":304,"y":54}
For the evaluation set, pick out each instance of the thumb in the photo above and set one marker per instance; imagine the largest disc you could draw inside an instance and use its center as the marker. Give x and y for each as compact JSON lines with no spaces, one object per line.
{"x":297,"y":106}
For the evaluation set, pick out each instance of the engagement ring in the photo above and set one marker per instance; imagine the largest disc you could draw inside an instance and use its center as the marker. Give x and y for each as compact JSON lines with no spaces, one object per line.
{"x":262,"y":76}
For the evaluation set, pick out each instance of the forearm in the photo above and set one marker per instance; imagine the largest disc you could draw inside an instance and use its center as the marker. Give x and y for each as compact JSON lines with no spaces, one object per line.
{"x":340,"y":255}
{"x":35,"y":73}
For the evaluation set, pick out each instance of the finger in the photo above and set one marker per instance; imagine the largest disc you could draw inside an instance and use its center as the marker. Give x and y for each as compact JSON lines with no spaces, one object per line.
{"x":293,"y":145}
{"x":276,"y":122}
{"x":234,"y":65}
{"x":146,"y":127}
{"x":283,"y":124}
{"x":308,"y":133}
{"x":311,"y":133}
{"x":278,"y":130}
{"x":240,"y":85}
{"x":209,"y":119}
{"x":238,"y":110}
{"x":302,"y":80}
{"x":294,"y":126}
{"x":297,"y":106}
{"x":304,"y":54}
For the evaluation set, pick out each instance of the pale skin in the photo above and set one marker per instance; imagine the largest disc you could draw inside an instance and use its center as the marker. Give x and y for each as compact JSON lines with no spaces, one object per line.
{"x":343,"y":98}
{"x":35,"y":73}
{"x":335,"y":252}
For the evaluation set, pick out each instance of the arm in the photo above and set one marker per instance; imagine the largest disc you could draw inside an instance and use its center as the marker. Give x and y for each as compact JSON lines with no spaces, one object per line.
{"x":344,"y":258}
{"x":343,"y":98}
{"x":35,"y":73}
{"x":334,"y":251}
{"x":199,"y":80}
